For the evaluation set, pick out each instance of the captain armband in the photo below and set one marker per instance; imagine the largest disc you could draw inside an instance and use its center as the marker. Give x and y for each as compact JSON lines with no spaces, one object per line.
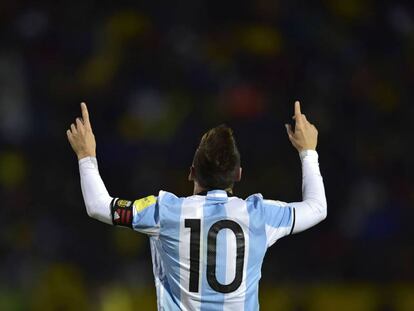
{"x":122,"y":210}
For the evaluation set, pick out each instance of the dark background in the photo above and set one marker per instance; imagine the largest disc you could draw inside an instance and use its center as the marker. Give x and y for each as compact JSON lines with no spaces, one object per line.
{"x":156,"y":75}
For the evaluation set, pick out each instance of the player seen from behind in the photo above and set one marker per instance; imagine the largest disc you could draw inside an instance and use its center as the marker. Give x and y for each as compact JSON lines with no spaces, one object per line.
{"x":207,"y":248}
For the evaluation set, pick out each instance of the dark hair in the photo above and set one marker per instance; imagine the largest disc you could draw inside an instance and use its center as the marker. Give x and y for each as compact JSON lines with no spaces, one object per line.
{"x":217,"y":159}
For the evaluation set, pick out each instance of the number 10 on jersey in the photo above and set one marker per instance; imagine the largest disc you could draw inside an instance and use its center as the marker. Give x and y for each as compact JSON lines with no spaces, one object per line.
{"x":195,"y":230}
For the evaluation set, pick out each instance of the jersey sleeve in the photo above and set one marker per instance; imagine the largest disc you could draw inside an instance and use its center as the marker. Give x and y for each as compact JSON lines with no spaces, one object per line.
{"x":279,"y":220}
{"x":285,"y":218}
{"x":141,"y":215}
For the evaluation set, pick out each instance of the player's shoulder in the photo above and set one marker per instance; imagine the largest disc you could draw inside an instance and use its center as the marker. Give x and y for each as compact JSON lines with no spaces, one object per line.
{"x":166,"y":197}
{"x":257,"y":201}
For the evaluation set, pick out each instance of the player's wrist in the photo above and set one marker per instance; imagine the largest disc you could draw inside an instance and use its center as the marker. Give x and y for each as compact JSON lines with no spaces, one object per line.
{"x":307,"y":148}
{"x":311,"y":153}
{"x":82,"y":155}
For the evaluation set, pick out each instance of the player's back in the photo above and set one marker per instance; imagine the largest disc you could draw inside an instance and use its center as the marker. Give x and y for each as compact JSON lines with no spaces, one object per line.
{"x":210,"y":248}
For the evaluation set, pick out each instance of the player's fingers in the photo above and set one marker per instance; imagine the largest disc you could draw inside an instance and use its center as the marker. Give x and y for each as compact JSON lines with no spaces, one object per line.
{"x":297,"y":109}
{"x":305,"y":120}
{"x":69,"y":135}
{"x":85,"y":114}
{"x":79,"y":125}
{"x":302,"y":116}
{"x":298,"y":115}
{"x":73,"y":129}
{"x":289,"y":129}
{"x":299,"y":122}
{"x":289,"y":132}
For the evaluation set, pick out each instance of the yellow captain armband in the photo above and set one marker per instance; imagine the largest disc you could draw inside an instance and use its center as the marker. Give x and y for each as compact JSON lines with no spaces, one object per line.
{"x":141,"y":204}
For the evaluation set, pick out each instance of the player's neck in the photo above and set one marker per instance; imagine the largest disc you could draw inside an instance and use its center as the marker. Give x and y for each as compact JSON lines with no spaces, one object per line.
{"x":198,"y":189}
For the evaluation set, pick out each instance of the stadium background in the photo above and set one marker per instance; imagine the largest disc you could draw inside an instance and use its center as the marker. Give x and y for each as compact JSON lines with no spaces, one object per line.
{"x":156,"y":75}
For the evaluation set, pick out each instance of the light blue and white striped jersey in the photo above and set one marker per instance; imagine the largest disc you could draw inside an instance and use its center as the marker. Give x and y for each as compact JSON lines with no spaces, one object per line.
{"x":207,"y":250}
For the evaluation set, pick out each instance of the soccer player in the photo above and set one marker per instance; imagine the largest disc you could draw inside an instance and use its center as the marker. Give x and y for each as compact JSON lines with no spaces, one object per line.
{"x":207,"y":248}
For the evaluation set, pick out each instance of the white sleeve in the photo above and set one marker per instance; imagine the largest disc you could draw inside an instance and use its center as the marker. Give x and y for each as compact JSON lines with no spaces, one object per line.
{"x":313,"y":208}
{"x":96,"y":197}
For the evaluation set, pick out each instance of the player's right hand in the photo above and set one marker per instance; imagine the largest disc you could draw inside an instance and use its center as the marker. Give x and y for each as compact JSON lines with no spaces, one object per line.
{"x":305,"y":134}
{"x":81,"y":137}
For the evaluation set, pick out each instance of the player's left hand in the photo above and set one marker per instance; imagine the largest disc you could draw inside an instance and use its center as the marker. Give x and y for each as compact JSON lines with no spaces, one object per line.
{"x":81,"y":137}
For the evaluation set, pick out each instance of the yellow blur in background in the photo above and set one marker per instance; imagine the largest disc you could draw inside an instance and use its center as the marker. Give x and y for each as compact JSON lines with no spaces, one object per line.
{"x":62,"y":287}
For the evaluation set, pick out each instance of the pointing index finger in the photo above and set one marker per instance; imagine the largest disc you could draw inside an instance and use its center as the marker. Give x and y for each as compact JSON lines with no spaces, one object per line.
{"x":85,"y":113}
{"x":298,"y":113}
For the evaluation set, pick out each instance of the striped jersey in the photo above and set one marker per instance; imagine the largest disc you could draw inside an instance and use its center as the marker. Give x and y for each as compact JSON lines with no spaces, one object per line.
{"x":207,"y":250}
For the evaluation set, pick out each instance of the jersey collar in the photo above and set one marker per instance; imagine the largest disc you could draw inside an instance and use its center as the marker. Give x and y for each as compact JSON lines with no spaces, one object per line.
{"x":216,"y":194}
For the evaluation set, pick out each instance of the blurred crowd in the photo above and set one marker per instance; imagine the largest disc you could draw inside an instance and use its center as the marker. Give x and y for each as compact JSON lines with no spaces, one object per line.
{"x":156,"y":75}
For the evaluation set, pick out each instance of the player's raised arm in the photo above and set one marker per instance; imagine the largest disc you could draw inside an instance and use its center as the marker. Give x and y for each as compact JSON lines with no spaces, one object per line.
{"x":313,"y":208}
{"x":95,"y":195}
